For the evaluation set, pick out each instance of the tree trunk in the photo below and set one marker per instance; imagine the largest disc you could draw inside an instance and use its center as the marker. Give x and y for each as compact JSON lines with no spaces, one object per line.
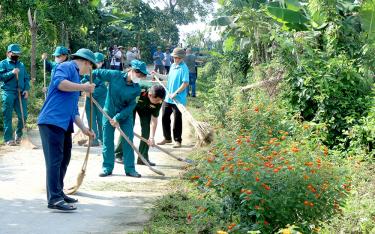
{"x":33,"y":30}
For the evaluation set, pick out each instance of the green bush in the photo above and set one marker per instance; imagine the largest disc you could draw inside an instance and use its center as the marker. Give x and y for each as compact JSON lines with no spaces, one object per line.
{"x":267,"y":177}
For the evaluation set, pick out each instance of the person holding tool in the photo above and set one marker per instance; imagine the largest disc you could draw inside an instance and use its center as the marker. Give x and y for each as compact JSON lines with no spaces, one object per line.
{"x":148,"y":108}
{"x":10,"y":68}
{"x":61,"y":55}
{"x":55,"y":122}
{"x":178,"y":81}
{"x":123,"y":90}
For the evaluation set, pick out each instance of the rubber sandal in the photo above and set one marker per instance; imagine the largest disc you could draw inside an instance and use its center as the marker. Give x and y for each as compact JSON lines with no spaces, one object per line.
{"x":70,"y":199}
{"x":62,"y":205}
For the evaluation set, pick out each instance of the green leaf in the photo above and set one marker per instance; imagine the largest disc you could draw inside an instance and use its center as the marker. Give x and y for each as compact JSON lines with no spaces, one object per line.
{"x":222,"y":21}
{"x":367,"y":15}
{"x":283,"y":15}
{"x":94,"y":3}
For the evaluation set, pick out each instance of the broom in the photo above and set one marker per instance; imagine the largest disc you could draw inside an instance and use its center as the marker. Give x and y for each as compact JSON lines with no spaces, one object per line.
{"x":128,"y":140}
{"x":165,"y":151}
{"x":82,"y":173}
{"x":25,"y":141}
{"x":44,"y":79}
{"x":203,"y":130}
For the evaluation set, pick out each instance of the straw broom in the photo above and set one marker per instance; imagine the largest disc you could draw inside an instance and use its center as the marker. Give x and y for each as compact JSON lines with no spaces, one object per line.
{"x":128,"y":140}
{"x":164,"y":150}
{"x":82,"y":173}
{"x":25,"y":141}
{"x":202,"y":129}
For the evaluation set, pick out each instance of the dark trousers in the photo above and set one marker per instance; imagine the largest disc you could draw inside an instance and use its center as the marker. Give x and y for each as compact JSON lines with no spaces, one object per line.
{"x":168,"y":109}
{"x":57,"y":148}
{"x":167,"y":68}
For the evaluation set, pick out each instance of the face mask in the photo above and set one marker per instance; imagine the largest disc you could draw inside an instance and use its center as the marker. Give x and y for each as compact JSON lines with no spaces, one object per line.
{"x":58,"y":60}
{"x":135,"y":79}
{"x":14,"y":58}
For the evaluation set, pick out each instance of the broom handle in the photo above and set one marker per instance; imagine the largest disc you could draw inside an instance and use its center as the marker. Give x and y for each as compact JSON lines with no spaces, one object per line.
{"x":160,"y":148}
{"x":20,"y":101}
{"x":44,"y":79}
{"x":128,"y":140}
{"x":90,"y":128}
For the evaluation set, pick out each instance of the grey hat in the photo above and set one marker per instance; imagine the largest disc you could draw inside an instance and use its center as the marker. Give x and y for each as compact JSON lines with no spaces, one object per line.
{"x":178,"y":52}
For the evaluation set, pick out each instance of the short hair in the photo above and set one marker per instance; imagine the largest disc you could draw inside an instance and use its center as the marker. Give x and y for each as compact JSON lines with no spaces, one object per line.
{"x":157,"y":91}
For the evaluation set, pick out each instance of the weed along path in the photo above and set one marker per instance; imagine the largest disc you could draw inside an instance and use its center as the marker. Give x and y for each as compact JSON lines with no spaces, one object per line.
{"x":114,"y":204}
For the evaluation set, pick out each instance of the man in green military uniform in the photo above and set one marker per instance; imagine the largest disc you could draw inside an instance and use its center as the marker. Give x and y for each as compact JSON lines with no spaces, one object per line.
{"x":123,"y":89}
{"x":148,"y":108}
{"x":61,"y":55}
{"x":9,"y":69}
{"x":99,"y":95}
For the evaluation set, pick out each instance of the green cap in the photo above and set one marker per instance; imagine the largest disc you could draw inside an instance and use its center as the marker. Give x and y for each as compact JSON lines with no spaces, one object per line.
{"x":60,"y":50}
{"x":159,"y":47}
{"x":85,"y":54}
{"x":99,"y":57}
{"x":15,"y":48}
{"x":139,"y":65}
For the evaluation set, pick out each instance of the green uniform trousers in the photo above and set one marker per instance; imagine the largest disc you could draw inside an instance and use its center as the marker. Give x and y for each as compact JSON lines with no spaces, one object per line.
{"x":10,"y":102}
{"x":145,"y":120}
{"x":108,"y":145}
{"x":97,"y":118}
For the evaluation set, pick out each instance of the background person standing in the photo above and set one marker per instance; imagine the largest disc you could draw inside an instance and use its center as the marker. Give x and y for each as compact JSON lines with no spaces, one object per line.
{"x":9,"y":68}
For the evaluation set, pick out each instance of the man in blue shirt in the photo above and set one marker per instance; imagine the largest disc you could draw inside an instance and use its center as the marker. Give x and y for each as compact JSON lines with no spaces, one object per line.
{"x":158,"y":58}
{"x":55,"y":122}
{"x":9,"y":69}
{"x":178,"y":80}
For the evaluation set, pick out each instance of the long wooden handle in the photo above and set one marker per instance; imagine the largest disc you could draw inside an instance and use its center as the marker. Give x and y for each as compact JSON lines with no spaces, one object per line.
{"x":163,"y":150}
{"x":128,"y":140}
{"x":90,"y":127}
{"x":20,"y":100}
{"x":44,"y":79}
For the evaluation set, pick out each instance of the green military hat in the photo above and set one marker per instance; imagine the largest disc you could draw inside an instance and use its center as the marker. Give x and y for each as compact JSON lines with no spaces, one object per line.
{"x":15,"y":48}
{"x":139,"y":65}
{"x":60,"y":50}
{"x":85,"y":54}
{"x":99,"y":57}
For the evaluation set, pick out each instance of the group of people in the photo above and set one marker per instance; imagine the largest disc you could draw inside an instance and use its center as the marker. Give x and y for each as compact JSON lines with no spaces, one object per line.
{"x":122,"y":94}
{"x":119,"y":59}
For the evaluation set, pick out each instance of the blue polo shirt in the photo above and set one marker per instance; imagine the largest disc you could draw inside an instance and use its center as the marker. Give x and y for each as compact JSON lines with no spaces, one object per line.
{"x":178,"y":74}
{"x":60,"y":107}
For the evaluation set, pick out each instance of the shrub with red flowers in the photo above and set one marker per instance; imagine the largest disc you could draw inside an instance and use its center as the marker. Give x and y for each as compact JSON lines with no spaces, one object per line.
{"x":268,"y":177}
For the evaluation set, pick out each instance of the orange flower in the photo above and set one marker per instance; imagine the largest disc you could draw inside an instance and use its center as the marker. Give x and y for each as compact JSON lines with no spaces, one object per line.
{"x":257,"y":207}
{"x":195,"y":177}
{"x":274,"y":153}
{"x":256,"y":109}
{"x":266,"y":187}
{"x":246,"y":169}
{"x":257,"y":179}
{"x":208,"y":183}
{"x":248,"y":192}
{"x":306,"y":177}
{"x":294,"y":149}
{"x":311,"y":204}
{"x":265,"y":222}
{"x":283,"y":137}
{"x":210,"y":159}
{"x":222,"y":168}
{"x":306,"y":203}
{"x":309,"y":164}
{"x":276,"y":170}
{"x":290,"y":168}
{"x":229,"y":159}
{"x":233,"y":149}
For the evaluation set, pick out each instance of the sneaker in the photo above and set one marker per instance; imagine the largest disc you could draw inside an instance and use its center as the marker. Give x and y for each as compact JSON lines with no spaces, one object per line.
{"x":10,"y":143}
{"x":18,"y":140}
{"x":133,"y":174}
{"x":163,"y":142}
{"x":177,"y":144}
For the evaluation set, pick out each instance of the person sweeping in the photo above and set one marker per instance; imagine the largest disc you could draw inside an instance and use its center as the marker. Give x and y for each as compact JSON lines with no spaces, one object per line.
{"x":148,"y":108}
{"x":55,"y":122}
{"x":178,"y":81}
{"x":99,"y":95}
{"x":9,"y":69}
{"x":123,"y":89}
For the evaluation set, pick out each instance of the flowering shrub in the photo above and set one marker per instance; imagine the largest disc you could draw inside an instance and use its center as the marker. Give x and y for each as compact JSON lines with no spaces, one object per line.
{"x":268,"y":178}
